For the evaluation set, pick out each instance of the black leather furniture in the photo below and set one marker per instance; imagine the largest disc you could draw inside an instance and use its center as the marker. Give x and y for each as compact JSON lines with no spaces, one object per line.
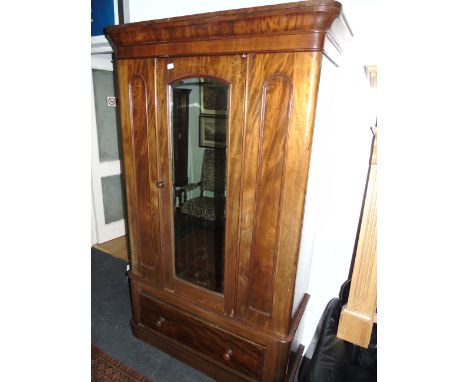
{"x":330,"y":359}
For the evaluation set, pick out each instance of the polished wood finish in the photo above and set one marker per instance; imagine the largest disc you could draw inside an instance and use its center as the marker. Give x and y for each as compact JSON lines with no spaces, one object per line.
{"x":276,"y":347}
{"x":280,"y":100}
{"x":136,"y":82}
{"x":359,"y":314}
{"x":230,"y":69}
{"x":295,"y":362}
{"x":217,"y":370}
{"x":299,"y":26}
{"x":270,"y":58}
{"x":246,"y":329}
{"x":217,"y":344}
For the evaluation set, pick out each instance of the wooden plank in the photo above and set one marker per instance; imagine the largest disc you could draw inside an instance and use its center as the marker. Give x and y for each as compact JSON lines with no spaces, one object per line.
{"x":116,"y":247}
{"x":358,"y":315}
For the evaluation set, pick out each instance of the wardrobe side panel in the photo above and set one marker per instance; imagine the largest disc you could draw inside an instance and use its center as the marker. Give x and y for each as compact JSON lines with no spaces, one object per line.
{"x":136,"y":91}
{"x":280,"y":111}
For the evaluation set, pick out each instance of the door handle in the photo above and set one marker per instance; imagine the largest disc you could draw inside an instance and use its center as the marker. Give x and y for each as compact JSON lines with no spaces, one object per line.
{"x":160,"y":184}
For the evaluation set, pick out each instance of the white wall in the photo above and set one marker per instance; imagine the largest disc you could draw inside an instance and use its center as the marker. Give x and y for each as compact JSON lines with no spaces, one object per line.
{"x":339,"y":162}
{"x":337,"y":176}
{"x":94,"y":238}
{"x":340,"y":150}
{"x":148,"y":9}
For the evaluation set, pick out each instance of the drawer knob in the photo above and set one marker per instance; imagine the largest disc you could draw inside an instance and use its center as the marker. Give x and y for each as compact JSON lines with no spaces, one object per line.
{"x":227,"y":354}
{"x":160,"y":322}
{"x":160,"y":184}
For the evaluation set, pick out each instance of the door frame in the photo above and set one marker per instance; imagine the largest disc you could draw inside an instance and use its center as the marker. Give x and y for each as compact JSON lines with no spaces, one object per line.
{"x":102,"y":232}
{"x":230,"y":70}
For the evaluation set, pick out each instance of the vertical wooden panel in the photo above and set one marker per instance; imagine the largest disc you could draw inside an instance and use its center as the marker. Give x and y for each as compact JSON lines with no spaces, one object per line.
{"x":280,"y":112}
{"x":357,"y":317}
{"x":230,"y":70}
{"x":139,"y":126}
{"x":276,"y":107}
{"x":305,"y":80}
{"x":136,"y":79}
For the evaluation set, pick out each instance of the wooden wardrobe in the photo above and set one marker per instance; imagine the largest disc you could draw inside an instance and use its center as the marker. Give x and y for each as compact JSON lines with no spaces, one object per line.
{"x":216,"y":288}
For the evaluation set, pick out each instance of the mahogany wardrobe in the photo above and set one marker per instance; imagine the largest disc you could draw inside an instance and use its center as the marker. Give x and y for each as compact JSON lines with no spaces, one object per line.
{"x":217,"y":114}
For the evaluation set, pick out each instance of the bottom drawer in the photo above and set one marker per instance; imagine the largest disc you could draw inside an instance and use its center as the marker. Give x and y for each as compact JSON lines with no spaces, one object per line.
{"x":219,"y":345}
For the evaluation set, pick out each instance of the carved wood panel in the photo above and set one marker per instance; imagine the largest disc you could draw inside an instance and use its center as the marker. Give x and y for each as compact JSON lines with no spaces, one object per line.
{"x":136,"y":79}
{"x":229,"y":70}
{"x":280,"y":107}
{"x":273,"y":135}
{"x":138,"y":92}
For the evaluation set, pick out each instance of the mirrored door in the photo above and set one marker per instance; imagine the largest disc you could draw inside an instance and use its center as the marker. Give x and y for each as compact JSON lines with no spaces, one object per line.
{"x":201,"y":135}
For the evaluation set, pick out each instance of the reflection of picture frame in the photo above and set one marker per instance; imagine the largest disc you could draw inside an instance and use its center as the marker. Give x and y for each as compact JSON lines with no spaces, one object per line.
{"x":213,"y":98}
{"x":213,"y":131}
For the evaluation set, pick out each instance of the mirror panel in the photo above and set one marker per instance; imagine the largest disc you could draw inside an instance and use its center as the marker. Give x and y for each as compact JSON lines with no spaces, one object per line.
{"x":199,"y":141}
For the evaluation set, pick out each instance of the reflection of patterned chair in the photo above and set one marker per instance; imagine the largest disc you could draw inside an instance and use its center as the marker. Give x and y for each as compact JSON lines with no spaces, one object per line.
{"x":213,"y":176}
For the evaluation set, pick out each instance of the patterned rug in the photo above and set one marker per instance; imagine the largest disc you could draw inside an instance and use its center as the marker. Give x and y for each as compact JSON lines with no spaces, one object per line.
{"x":106,"y":369}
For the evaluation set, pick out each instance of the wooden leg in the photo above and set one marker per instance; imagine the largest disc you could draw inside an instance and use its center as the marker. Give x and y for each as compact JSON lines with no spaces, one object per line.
{"x":295,"y":362}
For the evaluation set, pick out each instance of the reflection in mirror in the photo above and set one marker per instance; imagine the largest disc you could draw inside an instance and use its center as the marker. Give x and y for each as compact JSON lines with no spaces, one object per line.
{"x":199,"y":141}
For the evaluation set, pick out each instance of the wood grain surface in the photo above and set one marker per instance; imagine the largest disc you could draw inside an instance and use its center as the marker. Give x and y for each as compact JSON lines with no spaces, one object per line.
{"x":137,"y":114}
{"x":294,"y":26}
{"x":358,"y":315}
{"x":229,"y":70}
{"x":221,"y":346}
{"x":270,"y":59}
{"x":280,"y":114}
